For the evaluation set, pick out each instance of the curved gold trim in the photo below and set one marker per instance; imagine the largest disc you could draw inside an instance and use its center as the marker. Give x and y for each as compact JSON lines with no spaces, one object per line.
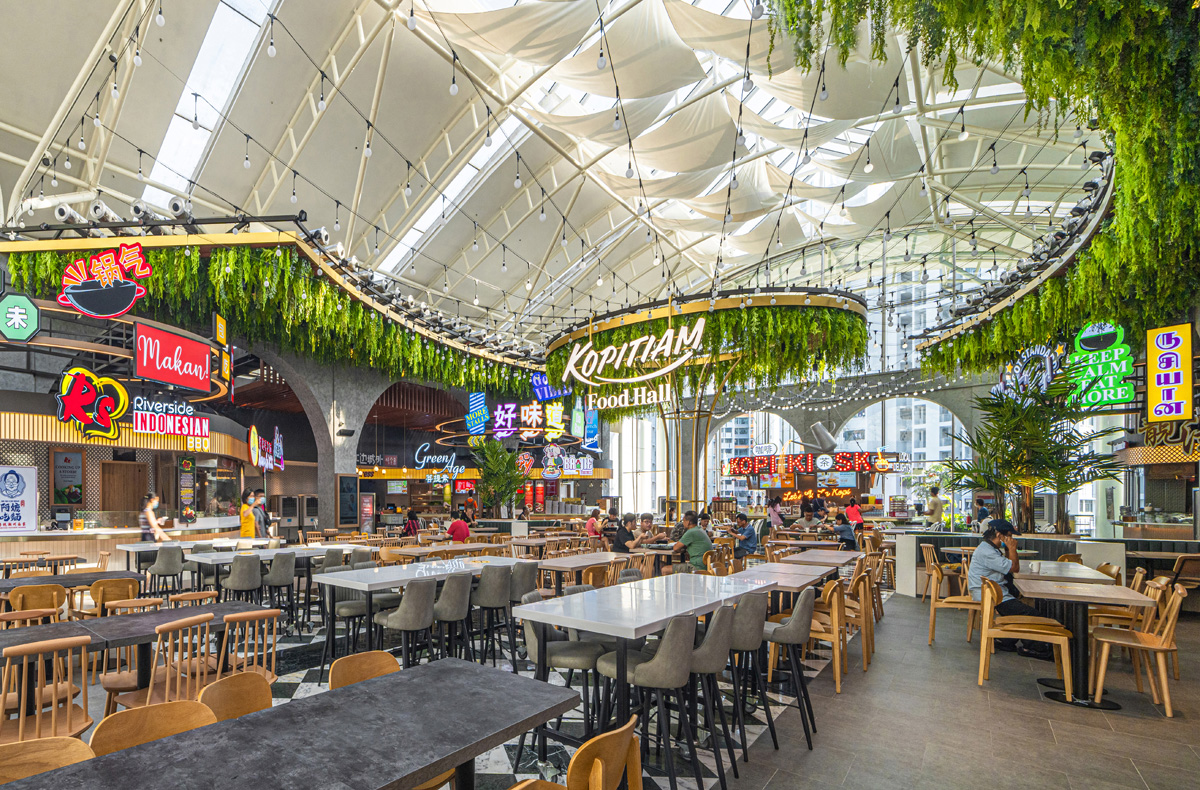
{"x":785,"y":299}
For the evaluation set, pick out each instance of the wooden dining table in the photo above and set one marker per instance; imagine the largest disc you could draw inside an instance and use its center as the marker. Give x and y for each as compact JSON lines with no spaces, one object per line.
{"x":835,"y":559}
{"x":575,"y":565}
{"x":395,"y":731}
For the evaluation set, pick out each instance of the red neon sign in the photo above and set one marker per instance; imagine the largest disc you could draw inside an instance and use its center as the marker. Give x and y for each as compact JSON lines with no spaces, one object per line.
{"x":804,"y":463}
{"x":171,"y":359}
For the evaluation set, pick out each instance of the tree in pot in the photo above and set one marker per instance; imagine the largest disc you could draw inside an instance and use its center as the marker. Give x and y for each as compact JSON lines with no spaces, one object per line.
{"x":500,"y":477}
{"x":994,"y":462}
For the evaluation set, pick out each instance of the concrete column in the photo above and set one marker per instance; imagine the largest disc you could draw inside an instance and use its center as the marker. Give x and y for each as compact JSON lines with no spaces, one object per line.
{"x":335,"y":398}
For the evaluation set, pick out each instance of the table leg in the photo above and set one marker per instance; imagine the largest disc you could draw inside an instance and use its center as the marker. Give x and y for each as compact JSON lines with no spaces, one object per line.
{"x":371,"y":627}
{"x":622,"y":682}
{"x":145,"y":659}
{"x":542,"y":673}
{"x":464,"y":775}
{"x":1077,"y":621}
{"x":558,"y":585}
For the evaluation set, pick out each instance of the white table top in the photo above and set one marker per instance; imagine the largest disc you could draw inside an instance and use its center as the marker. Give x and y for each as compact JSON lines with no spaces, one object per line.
{"x":640,"y":608}
{"x":1048,"y":570}
{"x":149,"y":545}
{"x":226,"y":557}
{"x":393,"y":576}
{"x":823,"y":557}
{"x":789,"y":581}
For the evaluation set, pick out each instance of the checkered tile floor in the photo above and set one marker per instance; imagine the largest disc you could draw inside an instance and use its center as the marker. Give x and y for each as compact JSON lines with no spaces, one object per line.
{"x":299,"y":662}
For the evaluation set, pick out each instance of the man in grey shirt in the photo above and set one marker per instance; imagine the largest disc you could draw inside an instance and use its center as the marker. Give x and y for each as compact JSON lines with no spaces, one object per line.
{"x":996,"y":559}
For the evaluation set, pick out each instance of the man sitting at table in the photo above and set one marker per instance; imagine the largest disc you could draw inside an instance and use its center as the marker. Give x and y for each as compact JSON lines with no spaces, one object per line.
{"x":746,"y":537}
{"x":625,"y":540}
{"x":695,"y":541}
{"x":996,"y":559}
{"x":459,"y":530}
{"x":705,"y":521}
{"x":806,"y":520}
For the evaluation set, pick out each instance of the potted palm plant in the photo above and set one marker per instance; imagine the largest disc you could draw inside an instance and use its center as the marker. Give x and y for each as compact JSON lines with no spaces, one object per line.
{"x":500,"y":477}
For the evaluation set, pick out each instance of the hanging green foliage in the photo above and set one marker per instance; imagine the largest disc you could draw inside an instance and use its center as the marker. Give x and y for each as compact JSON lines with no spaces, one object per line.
{"x":747,"y":348}
{"x":1134,"y":67}
{"x":274,"y":298}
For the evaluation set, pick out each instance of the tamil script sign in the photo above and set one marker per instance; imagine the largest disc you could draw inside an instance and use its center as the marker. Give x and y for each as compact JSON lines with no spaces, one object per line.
{"x":1169,"y":389}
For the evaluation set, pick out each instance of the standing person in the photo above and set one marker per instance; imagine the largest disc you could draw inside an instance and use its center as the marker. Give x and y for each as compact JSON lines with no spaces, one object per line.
{"x":854,"y":514}
{"x":933,"y":509}
{"x":820,"y":508}
{"x":981,"y":515}
{"x":262,"y":522}
{"x":694,"y":541}
{"x":746,"y":537}
{"x":151,"y":524}
{"x":774,"y":512}
{"x":459,"y":530}
{"x":412,"y":526}
{"x":248,"y":519}
{"x":805,"y":503}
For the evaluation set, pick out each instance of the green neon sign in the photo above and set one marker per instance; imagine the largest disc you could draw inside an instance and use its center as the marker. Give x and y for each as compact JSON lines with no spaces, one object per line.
{"x":1104,"y":358}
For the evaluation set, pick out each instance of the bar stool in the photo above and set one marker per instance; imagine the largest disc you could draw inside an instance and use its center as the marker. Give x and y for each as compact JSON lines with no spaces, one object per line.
{"x":193,"y":568}
{"x":168,"y":566}
{"x":359,"y":556}
{"x":708,"y":661}
{"x":745,"y":655}
{"x":491,"y":598}
{"x":572,"y":656}
{"x":245,"y":579}
{"x":413,"y":617}
{"x":452,"y":612}
{"x":793,"y":633}
{"x":281,"y":577}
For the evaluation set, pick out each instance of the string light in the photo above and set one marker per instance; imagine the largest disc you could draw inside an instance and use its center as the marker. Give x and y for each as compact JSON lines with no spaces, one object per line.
{"x":454,"y":74}
{"x":245,"y":161}
{"x":367,"y":148}
{"x":963,"y":134}
{"x":195,"y":111}
{"x":337,"y":215}
{"x":412,"y":16}
{"x":517,"y":180}
{"x":293,"y":186}
{"x":321,"y":101}
{"x":271,"y":43}
{"x":159,"y":19}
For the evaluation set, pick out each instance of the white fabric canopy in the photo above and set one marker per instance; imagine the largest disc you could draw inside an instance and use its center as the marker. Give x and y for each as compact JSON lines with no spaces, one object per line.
{"x":753,"y":197}
{"x":899,"y":206}
{"x":781,"y":180}
{"x":642,"y":49}
{"x":893,"y":153}
{"x":727,"y":37}
{"x":858,"y":91}
{"x":761,"y":238}
{"x":697,"y":137}
{"x":541,"y":32}
{"x":597,"y":127}
{"x":684,"y":185}
{"x":806,"y":138}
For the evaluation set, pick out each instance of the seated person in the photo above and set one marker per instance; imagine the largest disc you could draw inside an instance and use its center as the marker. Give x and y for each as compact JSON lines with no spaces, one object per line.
{"x":844,"y":531}
{"x":806,"y":520}
{"x":695,"y":541}
{"x":459,"y":530}
{"x":746,"y":537}
{"x":625,"y":540}
{"x":647,"y":527}
{"x":820,"y":508}
{"x":705,"y":521}
{"x":996,"y":559}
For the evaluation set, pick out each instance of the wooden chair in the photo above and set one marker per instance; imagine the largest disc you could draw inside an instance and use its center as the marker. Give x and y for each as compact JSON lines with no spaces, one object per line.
{"x":1056,"y":635}
{"x":51,"y":712}
{"x":181,"y":663}
{"x":860,"y":615}
{"x":250,"y":643}
{"x":180,"y":600}
{"x":147,"y":723}
{"x":1187,"y":571}
{"x":389,"y":555}
{"x":21,"y":759}
{"x":597,"y":575}
{"x":1156,"y":639}
{"x":644,"y":563}
{"x":1121,"y":616}
{"x":120,"y":681}
{"x":357,"y":667}
{"x":1110,"y":570}
{"x":31,"y":604}
{"x":237,"y":694}
{"x":930,"y":556}
{"x":1070,"y":558}
{"x":614,"y":570}
{"x":829,"y":625}
{"x":964,"y":602}
{"x":600,"y":764}
{"x":105,"y":590}
{"x":32,"y":574}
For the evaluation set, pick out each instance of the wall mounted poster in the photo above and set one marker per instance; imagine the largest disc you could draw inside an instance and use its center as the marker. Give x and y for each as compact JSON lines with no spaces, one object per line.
{"x":66,"y":475}
{"x":18,"y":498}
{"x":347,"y":505}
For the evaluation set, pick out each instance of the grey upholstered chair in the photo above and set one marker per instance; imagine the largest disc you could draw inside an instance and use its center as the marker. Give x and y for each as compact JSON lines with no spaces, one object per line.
{"x":524,"y":580}
{"x":629,"y":575}
{"x":245,"y":579}
{"x":280,"y":582}
{"x":746,"y":655}
{"x":452,"y":613}
{"x":793,"y":633}
{"x":358,"y":555}
{"x":571,"y":656}
{"x":195,"y":570}
{"x":491,"y":598}
{"x":709,"y":661}
{"x":412,"y":618}
{"x":167,"y":570}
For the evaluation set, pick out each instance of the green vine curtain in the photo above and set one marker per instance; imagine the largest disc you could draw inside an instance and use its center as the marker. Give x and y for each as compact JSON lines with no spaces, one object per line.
{"x":768,"y":345}
{"x":1134,"y":66}
{"x":268,"y":295}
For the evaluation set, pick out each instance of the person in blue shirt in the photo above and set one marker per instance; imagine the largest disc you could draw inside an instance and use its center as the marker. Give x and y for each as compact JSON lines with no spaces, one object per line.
{"x":746,"y":537}
{"x":845,"y":531}
{"x":996,"y":559}
{"x":981,"y":516}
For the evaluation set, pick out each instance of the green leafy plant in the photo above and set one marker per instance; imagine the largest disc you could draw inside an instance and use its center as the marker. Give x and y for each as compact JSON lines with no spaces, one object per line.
{"x":500,"y":477}
{"x":1135,"y":68}
{"x":270,"y":295}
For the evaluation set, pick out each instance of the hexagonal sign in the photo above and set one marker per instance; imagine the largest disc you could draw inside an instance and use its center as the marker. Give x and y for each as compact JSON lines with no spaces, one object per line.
{"x":20,"y":318}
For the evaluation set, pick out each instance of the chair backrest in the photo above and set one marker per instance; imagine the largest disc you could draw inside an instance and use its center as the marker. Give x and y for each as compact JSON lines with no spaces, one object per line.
{"x":989,"y":595}
{"x":1110,"y":570}
{"x":630,"y":575}
{"x":1071,"y":558}
{"x":713,"y":653}
{"x":274,"y":543}
{"x":333,"y":560}
{"x":132,"y":605}
{"x":244,"y":573}
{"x":750,"y":614}
{"x":597,"y":575}
{"x":361,"y":666}
{"x":927,"y":553}
{"x":415,"y":612}
{"x":51,"y":664}
{"x":283,"y":569}
{"x":29,"y":758}
{"x":169,"y":561}
{"x":181,"y":643}
{"x":1138,"y":580}
{"x":360,"y":555}
{"x":37,"y":596}
{"x":795,"y":630}
{"x":935,"y":585}
{"x":102,"y":563}
{"x":575,"y":589}
{"x":28,"y":574}
{"x":236,"y":695}
{"x":135,"y":726}
{"x":249,"y":644}
{"x":454,"y":602}
{"x":601,"y":762}
{"x":1165,"y":629}
{"x":194,"y":598}
{"x":1187,"y":569}
{"x":614,"y":570}
{"x":524,"y":579}
{"x":671,"y":665}
{"x":106,"y":590}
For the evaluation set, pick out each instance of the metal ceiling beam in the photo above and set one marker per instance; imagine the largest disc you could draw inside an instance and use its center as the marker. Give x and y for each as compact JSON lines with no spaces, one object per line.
{"x":373,"y":115}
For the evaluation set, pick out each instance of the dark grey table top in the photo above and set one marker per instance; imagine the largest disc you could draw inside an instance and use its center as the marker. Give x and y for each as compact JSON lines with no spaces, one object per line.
{"x":11,"y":637}
{"x":395,"y":731}
{"x":69,"y":580}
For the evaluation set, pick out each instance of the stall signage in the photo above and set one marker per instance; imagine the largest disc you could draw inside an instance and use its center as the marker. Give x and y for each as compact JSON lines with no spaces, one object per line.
{"x":187,"y":489}
{"x":104,"y":286}
{"x":1033,"y":368}
{"x":464,"y":486}
{"x":66,"y":470}
{"x":577,"y":418}
{"x":770,"y":448}
{"x":265,"y":453}
{"x":539,"y":497}
{"x":18,"y":498}
{"x":543,"y":390}
{"x":552,"y":462}
{"x":804,"y":463}
{"x":20,"y":318}
{"x":397,"y":486}
{"x":477,"y":413}
{"x":1169,"y":393}
{"x":92,"y":403}
{"x":532,"y":420}
{"x":591,"y":431}
{"x":220,"y":330}
{"x":366,"y":512}
{"x":1103,"y":361}
{"x":369,"y":459}
{"x":168,"y":419}
{"x":442,"y":468}
{"x":226,"y":366}
{"x":169,"y":358}
{"x":672,"y":349}
{"x":578,"y":465}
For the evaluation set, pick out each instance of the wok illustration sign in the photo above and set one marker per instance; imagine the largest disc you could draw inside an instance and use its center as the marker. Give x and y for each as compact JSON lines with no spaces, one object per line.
{"x":105,"y":285}
{"x":169,"y":358}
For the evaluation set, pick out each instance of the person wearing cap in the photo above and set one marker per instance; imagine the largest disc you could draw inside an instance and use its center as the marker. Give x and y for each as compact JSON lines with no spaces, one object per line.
{"x":996,"y":558}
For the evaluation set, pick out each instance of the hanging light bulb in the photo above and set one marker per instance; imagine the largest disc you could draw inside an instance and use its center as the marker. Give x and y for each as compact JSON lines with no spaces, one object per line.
{"x":994,"y":169}
{"x":271,"y":47}
{"x":963,"y":134}
{"x":869,"y":166}
{"x":1078,"y":132}
{"x":924,"y":189}
{"x":159,"y":19}
{"x":446,"y":286}
{"x":407,"y":189}
{"x":337,"y":215}
{"x":756,"y":11}
{"x":617,"y":121}
{"x":528,"y":284}
{"x":741,"y":138}
{"x":806,"y":158}
{"x":779,"y":244}
{"x":475,"y":301}
{"x":453,"y":86}
{"x":137,"y":57}
{"x":747,"y":83}
{"x":564,"y":239}
{"x":412,"y":19}
{"x":601,"y":62}
{"x":96,"y":119}
{"x":629,"y":171}
{"x":824,"y":94}
{"x":599,"y":280}
{"x":728,"y":215}
{"x":82,"y":145}
{"x":321,"y":101}
{"x":367,"y":149}
{"x":542,"y":215}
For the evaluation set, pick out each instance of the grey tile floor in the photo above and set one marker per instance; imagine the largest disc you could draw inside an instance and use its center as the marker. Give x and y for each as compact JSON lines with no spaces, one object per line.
{"x":917,"y":719}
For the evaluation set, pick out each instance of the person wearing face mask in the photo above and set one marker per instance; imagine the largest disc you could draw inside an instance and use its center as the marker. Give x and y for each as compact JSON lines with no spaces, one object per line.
{"x":262,"y":522}
{"x":151,"y":525}
{"x":248,"y":519}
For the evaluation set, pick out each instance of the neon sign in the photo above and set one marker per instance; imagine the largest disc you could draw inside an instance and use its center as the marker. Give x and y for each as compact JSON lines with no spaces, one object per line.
{"x":103,"y":286}
{"x":265,"y":453}
{"x":93,"y":403}
{"x":1169,"y":394}
{"x":450,"y":468}
{"x":1107,"y":361}
{"x":805,"y":463}
{"x":168,"y":419}
{"x":586,"y":364}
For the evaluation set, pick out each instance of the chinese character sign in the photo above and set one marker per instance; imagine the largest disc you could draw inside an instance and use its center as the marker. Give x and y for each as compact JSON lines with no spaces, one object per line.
{"x":20,"y":318}
{"x":18,"y":498}
{"x":531,"y":421}
{"x":1169,"y":393}
{"x":104,"y":286}
{"x":554,"y":421}
{"x":505,"y":423}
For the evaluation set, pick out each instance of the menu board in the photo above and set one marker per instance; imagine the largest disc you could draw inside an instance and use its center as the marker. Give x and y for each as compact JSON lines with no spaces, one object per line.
{"x":366,"y":512}
{"x":67,"y":476}
{"x":397,"y":486}
{"x":187,"y":489}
